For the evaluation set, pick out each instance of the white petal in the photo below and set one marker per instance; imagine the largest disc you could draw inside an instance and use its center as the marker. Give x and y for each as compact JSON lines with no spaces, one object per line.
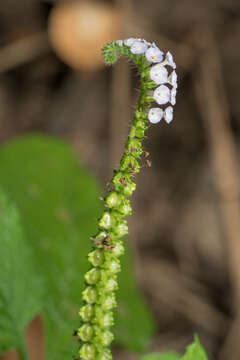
{"x":159,"y":74}
{"x":168,"y":114}
{"x":173,"y":79}
{"x":146,"y":42}
{"x":170,"y":61}
{"x":173,"y":96}
{"x":138,"y":47}
{"x":129,"y":41}
{"x":155,"y":115}
{"x":161,"y":94}
{"x":154,"y":55}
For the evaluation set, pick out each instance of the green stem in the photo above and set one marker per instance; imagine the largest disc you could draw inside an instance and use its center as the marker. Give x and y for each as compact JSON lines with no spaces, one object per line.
{"x":99,"y":295}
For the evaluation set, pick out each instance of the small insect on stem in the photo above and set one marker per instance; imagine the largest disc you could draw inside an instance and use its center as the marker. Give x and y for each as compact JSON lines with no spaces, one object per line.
{"x":109,"y":247}
{"x":132,"y":171}
{"x":149,"y":163}
{"x":110,"y":186}
{"x":97,"y":242}
{"x":123,"y":181}
{"x":106,"y":240}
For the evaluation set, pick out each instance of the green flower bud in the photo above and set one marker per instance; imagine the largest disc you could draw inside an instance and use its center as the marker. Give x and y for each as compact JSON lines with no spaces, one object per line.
{"x":129,"y":188}
{"x":87,"y":352}
{"x":132,"y":132}
{"x":139,"y":132}
{"x":105,"y":337}
{"x":113,"y":199}
{"x":103,"y":319}
{"x":92,"y":276}
{"x":96,"y":257}
{"x":101,"y":235}
{"x":110,"y":285}
{"x":86,"y":312}
{"x":125,"y":208}
{"x":149,"y":99}
{"x":90,"y":295}
{"x":112,"y":265}
{"x":145,"y":72}
{"x":121,"y":229}
{"x":120,"y":180}
{"x":86,"y":332}
{"x":105,"y":355}
{"x":136,"y":154}
{"x":107,"y":221}
{"x":118,"y":250}
{"x":125,"y":161}
{"x":134,"y":144}
{"x":128,"y":161}
{"x":108,"y":281}
{"x":108,"y":302}
{"x":107,"y":320}
{"x":140,"y":124}
{"x":150,"y":84}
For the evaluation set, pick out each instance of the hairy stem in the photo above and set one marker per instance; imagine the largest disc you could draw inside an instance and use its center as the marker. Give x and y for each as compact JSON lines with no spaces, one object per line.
{"x":99,"y":295}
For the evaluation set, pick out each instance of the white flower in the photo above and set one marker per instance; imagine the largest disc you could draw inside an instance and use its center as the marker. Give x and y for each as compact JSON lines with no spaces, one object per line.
{"x":146,"y":42}
{"x":173,"y":96}
{"x":119,"y":42}
{"x":153,"y":54}
{"x":159,"y":74}
{"x":138,"y":47}
{"x":173,"y":79}
{"x":129,"y":41}
{"x":168,"y":114}
{"x":161,"y":94}
{"x":169,"y":60}
{"x":155,"y":115}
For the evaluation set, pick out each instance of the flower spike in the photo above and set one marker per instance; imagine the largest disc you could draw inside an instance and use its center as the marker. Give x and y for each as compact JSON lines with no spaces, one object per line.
{"x":99,"y":297}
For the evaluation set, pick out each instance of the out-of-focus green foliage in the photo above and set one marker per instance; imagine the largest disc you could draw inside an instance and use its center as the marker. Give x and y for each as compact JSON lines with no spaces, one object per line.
{"x":195,"y":351}
{"x":59,"y":203}
{"x":168,"y":355}
{"x":20,"y":285}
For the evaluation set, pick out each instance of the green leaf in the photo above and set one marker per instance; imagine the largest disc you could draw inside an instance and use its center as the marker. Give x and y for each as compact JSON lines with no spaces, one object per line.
{"x":59,"y":203}
{"x":20,"y":286}
{"x":195,"y":351}
{"x":168,"y":355}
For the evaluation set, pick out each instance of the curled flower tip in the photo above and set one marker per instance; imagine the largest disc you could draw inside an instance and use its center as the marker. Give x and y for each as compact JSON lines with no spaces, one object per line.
{"x":168,"y":114}
{"x":159,"y":74}
{"x":161,"y":94}
{"x":169,"y":60}
{"x":155,"y":115}
{"x":153,"y":54}
{"x":138,"y":47}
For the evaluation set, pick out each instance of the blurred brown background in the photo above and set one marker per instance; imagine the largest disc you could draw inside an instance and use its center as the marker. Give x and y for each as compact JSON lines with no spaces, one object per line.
{"x":186,"y":224}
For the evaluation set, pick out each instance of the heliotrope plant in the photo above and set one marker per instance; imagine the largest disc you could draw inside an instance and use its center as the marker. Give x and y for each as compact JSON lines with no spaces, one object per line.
{"x":158,"y":85}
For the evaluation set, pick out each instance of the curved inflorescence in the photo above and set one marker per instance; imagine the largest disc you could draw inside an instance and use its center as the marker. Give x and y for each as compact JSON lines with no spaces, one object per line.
{"x":99,"y":295}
